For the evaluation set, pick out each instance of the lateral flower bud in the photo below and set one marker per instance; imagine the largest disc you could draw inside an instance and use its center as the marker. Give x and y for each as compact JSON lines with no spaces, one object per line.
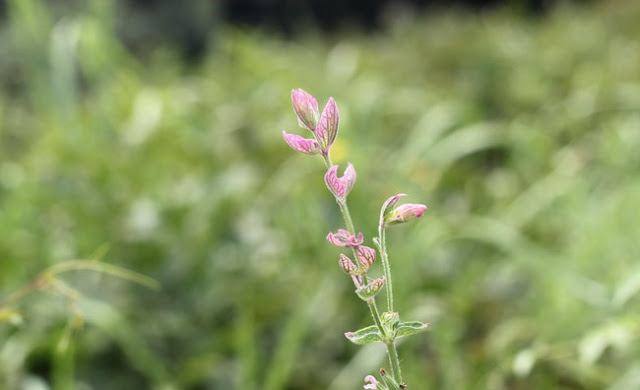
{"x":343,"y":238}
{"x":301,"y":144}
{"x":347,"y":265}
{"x":306,"y":108}
{"x":370,"y":290}
{"x":388,"y":206}
{"x":404,"y":213}
{"x":340,"y":186}
{"x":366,"y":256}
{"x":391,"y":215}
{"x":327,"y":129}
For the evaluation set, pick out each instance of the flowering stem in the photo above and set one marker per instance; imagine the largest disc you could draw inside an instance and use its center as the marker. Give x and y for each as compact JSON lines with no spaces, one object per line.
{"x":392,"y":352}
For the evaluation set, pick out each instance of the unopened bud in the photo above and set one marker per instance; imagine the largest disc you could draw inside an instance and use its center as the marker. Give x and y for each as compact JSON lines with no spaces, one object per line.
{"x":301,"y":144}
{"x":404,"y":213}
{"x":327,"y":129}
{"x":347,"y":265}
{"x":370,"y":290}
{"x":306,"y":108}
{"x":340,"y":186}
{"x":366,"y":256}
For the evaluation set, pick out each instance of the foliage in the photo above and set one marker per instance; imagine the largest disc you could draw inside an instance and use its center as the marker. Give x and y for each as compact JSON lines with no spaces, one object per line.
{"x":520,"y":135}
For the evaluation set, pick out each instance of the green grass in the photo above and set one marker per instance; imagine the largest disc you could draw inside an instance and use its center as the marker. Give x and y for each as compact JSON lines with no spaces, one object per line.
{"x":521,"y":136}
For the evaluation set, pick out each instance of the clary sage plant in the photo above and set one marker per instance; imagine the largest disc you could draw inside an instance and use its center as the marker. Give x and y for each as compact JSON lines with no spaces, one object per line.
{"x":359,"y":259}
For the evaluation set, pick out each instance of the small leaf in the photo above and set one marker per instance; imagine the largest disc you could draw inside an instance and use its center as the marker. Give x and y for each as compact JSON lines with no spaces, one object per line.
{"x":366,"y":335}
{"x":409,"y":328}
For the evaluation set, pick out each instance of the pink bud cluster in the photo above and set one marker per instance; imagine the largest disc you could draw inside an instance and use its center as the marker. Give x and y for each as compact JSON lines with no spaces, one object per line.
{"x":365,"y":256}
{"x":324,"y":127}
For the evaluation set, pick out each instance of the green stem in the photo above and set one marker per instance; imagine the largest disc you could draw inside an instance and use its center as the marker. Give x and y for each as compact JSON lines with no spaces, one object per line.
{"x":395,"y":361}
{"x":347,"y":218}
{"x":386,"y":267}
{"x":376,"y":315}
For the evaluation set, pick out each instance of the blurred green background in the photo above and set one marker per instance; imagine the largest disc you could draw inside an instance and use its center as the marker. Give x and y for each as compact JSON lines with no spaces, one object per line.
{"x":521,"y":134}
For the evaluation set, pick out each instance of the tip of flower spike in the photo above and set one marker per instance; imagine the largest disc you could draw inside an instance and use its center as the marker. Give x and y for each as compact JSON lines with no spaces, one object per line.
{"x":327,"y":128}
{"x":306,"y":108}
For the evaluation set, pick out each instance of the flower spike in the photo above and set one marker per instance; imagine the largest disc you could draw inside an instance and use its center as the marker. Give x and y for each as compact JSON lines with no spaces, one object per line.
{"x":340,"y":186}
{"x":306,"y":108}
{"x":301,"y":144}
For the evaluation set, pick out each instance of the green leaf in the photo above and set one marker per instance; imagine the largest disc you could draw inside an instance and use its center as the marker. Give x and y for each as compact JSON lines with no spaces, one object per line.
{"x":409,"y":328}
{"x":367,"y":335}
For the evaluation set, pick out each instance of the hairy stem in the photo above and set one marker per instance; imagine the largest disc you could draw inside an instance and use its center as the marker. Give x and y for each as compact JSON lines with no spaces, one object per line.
{"x":386,"y":267}
{"x":395,"y":361}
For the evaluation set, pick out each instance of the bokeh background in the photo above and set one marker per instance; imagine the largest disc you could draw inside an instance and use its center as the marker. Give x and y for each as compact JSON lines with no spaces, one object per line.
{"x":153,"y":129}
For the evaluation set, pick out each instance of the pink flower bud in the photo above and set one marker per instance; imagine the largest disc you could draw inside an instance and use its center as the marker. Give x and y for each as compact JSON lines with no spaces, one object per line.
{"x":302,"y":145}
{"x":343,"y":238}
{"x":372,"y":382}
{"x":405,"y":213}
{"x":347,"y":265}
{"x":327,"y":128}
{"x":340,"y":186}
{"x":366,"y":256}
{"x":388,"y":205}
{"x":306,"y":108}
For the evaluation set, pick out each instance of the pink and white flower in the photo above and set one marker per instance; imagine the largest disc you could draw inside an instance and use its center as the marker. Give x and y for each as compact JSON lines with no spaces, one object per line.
{"x":372,"y":383}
